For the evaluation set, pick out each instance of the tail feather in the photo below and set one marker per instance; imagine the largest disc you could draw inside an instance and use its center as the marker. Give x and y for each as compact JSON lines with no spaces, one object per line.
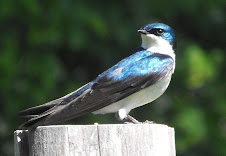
{"x":34,"y":122}
{"x":35,"y":111}
{"x":39,"y":114}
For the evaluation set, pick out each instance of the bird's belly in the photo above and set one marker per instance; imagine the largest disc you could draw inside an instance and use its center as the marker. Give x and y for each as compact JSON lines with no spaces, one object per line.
{"x":138,"y":99}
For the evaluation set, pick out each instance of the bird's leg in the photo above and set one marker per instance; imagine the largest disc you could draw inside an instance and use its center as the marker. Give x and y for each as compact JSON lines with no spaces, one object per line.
{"x":132,"y":119}
{"x":122,"y":115}
{"x":135,"y":121}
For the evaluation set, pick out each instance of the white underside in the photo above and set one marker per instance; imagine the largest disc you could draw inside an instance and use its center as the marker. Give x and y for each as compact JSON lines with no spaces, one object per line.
{"x":137,"y":99}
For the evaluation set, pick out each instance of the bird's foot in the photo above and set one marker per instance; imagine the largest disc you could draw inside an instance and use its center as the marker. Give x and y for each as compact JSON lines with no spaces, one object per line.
{"x":149,"y":122}
{"x":135,"y":121}
{"x":128,"y":123}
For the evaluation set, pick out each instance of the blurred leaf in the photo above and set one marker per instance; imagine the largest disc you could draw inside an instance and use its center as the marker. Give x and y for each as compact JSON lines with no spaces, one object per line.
{"x":200,"y":67}
{"x":191,"y":122}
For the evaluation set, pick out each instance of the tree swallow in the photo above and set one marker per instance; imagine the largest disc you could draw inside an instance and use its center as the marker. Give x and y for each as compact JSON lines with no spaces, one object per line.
{"x":135,"y":81}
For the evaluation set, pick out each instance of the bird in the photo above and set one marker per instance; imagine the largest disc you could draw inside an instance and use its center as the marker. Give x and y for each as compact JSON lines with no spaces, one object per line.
{"x":133,"y":82}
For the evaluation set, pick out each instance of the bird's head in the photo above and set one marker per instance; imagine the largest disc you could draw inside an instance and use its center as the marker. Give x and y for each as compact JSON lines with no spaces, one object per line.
{"x":157,"y":37}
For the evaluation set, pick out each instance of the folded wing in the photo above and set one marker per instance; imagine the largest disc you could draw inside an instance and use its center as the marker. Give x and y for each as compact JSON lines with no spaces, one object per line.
{"x":129,"y":76}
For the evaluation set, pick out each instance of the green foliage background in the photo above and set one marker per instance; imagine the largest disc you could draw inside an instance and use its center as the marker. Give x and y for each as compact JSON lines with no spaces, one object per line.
{"x":50,"y":48}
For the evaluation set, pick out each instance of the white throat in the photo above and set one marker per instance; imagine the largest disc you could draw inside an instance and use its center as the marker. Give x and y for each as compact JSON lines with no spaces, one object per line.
{"x":156,"y":44}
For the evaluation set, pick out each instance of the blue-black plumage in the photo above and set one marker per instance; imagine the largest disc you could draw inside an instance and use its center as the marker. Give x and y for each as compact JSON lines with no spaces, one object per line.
{"x":133,"y":82}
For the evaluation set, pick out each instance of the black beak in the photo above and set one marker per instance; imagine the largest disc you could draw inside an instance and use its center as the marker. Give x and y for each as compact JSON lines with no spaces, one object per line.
{"x":142,"y":31}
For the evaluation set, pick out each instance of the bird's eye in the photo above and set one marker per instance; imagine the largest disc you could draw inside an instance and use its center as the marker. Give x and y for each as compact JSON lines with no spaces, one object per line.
{"x":159,"y":32}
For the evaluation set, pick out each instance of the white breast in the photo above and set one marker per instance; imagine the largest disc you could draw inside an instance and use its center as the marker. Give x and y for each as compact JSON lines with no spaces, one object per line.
{"x":138,"y":99}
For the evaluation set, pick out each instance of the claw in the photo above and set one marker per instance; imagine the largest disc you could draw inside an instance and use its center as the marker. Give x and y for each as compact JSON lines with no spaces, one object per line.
{"x":149,"y":122}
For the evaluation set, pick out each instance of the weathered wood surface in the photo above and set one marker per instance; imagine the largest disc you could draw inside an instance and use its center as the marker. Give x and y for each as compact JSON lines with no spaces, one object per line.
{"x":96,"y":140}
